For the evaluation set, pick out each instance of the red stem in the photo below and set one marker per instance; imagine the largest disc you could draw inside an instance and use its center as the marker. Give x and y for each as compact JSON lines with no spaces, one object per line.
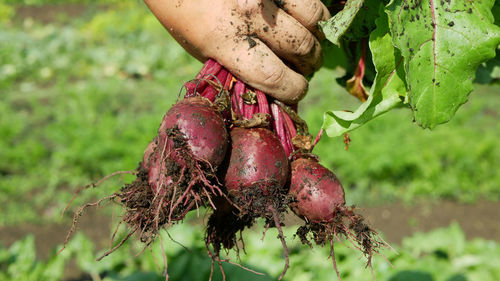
{"x":289,"y":125}
{"x":255,"y":109}
{"x":246,"y":111}
{"x":318,"y":137}
{"x":209,"y":93}
{"x":289,"y":130}
{"x":279,"y":129}
{"x":288,"y":136}
{"x":211,"y":67}
{"x":234,"y":104}
{"x":228,"y":82}
{"x":262,"y":101}
{"x":239,"y":89}
{"x":221,"y":77}
{"x":212,"y":92}
{"x":360,"y":71}
{"x":282,"y":124}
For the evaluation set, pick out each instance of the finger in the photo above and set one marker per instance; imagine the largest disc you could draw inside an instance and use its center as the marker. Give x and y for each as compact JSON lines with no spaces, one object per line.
{"x":287,"y":37}
{"x":255,"y":64}
{"x":308,"y":13}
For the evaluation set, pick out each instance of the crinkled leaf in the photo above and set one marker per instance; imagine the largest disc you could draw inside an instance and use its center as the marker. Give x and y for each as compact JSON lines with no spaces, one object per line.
{"x":364,"y":22}
{"x":385,"y":93}
{"x":442,"y":42}
{"x":335,"y":27}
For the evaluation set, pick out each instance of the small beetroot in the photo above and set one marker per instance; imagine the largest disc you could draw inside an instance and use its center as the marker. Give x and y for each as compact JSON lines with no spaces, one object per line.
{"x":316,"y":190}
{"x":317,"y":196}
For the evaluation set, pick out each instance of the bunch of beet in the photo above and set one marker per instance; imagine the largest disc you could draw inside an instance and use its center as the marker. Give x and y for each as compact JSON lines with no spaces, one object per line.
{"x":231,"y":148}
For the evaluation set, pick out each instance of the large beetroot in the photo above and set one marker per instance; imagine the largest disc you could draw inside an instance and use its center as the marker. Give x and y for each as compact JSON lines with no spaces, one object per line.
{"x":255,"y":179}
{"x":190,"y":131}
{"x":258,"y":168}
{"x":192,"y":141}
{"x":177,"y":172}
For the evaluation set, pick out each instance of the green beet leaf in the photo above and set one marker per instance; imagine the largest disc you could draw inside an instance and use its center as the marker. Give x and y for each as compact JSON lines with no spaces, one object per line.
{"x":443,"y":43}
{"x":387,"y":91}
{"x":335,"y":27}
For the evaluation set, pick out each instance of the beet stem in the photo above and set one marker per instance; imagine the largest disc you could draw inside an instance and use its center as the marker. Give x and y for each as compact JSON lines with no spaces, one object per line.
{"x":318,"y":137}
{"x":229,"y":81}
{"x":289,"y":124}
{"x":209,"y":93}
{"x":288,"y":135}
{"x":262,"y":102}
{"x":211,"y":67}
{"x":239,"y":88}
{"x":279,"y":128}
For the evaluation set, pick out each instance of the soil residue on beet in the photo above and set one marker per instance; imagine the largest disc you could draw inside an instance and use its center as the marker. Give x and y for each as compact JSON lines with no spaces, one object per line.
{"x":223,"y":226}
{"x":254,"y":201}
{"x":348,"y":225}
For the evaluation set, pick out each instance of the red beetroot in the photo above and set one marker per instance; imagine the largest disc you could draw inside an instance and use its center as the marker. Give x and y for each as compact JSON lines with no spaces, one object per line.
{"x":255,"y":178}
{"x":317,"y":196}
{"x":190,"y":129}
{"x":177,"y":168}
{"x":146,"y":161}
{"x":316,"y":190}
{"x":201,"y":125}
{"x":257,"y":164}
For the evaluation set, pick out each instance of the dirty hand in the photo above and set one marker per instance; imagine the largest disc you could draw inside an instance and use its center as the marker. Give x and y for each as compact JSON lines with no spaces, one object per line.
{"x":252,"y":38}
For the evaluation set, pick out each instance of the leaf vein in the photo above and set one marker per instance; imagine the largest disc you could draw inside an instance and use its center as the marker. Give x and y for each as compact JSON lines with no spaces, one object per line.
{"x":434,"y":28}
{"x":475,"y":8}
{"x":391,"y":75}
{"x":456,"y":31}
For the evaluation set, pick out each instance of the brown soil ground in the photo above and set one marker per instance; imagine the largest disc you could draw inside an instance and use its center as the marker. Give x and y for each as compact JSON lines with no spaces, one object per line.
{"x":394,"y":221}
{"x":397,"y":221}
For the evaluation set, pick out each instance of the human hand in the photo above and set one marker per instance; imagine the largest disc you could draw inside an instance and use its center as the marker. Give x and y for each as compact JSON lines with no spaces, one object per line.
{"x":256,"y":40}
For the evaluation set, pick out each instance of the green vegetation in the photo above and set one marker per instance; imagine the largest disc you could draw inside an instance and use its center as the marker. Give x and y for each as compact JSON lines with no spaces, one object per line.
{"x":440,"y":255}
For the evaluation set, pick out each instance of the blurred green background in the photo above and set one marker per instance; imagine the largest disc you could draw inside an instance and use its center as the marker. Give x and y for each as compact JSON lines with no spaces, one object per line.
{"x":83,"y":87}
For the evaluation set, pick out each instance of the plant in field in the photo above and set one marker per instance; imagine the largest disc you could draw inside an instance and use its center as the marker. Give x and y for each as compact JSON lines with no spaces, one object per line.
{"x":230,"y":148}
